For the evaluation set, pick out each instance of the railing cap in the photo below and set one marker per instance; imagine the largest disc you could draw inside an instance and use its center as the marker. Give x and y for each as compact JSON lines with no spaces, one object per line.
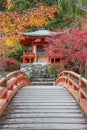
{"x":74,"y":74}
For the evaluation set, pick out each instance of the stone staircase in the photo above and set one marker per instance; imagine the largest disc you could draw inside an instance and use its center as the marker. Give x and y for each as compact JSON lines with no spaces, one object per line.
{"x":38,"y":74}
{"x":41,"y":77}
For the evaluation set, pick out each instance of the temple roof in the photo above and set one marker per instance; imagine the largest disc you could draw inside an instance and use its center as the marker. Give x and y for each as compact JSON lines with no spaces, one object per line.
{"x":42,"y":33}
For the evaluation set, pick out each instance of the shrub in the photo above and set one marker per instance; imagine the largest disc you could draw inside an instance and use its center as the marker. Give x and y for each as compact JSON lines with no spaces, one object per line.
{"x":11,"y":64}
{"x":53,"y":70}
{"x":30,"y":76}
{"x":85,"y":76}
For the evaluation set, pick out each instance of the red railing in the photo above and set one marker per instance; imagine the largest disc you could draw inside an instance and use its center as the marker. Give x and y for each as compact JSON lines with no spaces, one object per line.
{"x":10,"y":85}
{"x":76,"y":85}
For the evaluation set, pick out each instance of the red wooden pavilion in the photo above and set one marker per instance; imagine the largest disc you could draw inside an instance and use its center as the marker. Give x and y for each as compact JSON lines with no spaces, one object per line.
{"x":35,"y":43}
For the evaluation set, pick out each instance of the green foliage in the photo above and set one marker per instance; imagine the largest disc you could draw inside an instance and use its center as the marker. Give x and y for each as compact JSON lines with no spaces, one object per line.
{"x":19,"y":5}
{"x":10,"y":68}
{"x":68,"y":6}
{"x":60,"y":22}
{"x":85,"y":76}
{"x":30,"y":76}
{"x":17,"y":54}
{"x":70,"y":15}
{"x":53,"y":70}
{"x":50,"y":2}
{"x":3,"y":4}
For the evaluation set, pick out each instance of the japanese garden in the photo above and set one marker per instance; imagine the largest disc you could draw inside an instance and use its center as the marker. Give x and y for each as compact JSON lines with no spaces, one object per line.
{"x":43,"y":64}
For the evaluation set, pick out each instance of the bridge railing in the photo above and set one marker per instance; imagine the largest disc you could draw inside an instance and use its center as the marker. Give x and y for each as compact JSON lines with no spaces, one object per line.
{"x":9,"y":85}
{"x":76,"y":85}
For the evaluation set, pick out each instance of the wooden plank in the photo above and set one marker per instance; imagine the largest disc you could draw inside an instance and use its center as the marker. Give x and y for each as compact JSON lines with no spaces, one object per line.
{"x":44,"y":111}
{"x":42,"y":98}
{"x":45,"y":104}
{"x":45,"y":120}
{"x":46,"y":126}
{"x":43,"y":108}
{"x":45,"y":115}
{"x":43,"y":101}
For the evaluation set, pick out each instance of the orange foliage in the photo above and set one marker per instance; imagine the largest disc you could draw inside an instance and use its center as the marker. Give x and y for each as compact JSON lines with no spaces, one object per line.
{"x":12,"y":25}
{"x":40,"y":15}
{"x":9,"y":4}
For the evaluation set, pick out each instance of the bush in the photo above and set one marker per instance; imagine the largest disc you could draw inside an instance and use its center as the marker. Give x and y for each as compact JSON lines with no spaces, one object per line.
{"x":17,"y":54}
{"x":11,"y":64}
{"x":85,"y":76}
{"x":53,"y":70}
{"x":30,"y":76}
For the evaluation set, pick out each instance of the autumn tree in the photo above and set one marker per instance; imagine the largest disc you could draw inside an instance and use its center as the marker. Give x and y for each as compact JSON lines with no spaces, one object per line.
{"x":19,"y":5}
{"x":72,"y":47}
{"x":40,"y":15}
{"x":12,"y":25}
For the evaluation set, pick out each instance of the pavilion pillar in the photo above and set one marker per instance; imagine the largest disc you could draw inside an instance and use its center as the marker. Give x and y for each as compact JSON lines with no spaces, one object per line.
{"x":35,"y":49}
{"x":30,"y":60}
{"x":35,"y":52}
{"x":24,"y":60}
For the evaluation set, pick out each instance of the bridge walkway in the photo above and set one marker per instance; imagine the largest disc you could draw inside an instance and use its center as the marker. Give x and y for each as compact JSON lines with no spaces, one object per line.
{"x":43,"y":107}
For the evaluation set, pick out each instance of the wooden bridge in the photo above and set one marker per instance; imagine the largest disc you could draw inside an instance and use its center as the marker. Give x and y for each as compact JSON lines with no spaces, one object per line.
{"x":62,"y":106}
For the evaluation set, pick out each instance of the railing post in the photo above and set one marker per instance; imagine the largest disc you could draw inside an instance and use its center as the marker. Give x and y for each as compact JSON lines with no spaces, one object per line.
{"x":68,"y":79}
{"x":79,"y":86}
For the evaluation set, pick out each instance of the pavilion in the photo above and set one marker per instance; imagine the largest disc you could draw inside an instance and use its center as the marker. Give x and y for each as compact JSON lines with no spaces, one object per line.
{"x":35,"y":43}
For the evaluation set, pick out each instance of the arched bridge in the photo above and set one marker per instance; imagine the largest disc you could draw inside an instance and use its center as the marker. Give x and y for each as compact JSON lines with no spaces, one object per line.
{"x":62,"y":106}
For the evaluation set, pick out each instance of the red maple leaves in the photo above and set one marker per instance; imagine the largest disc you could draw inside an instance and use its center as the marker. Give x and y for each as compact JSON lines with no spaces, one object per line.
{"x":71,"y":47}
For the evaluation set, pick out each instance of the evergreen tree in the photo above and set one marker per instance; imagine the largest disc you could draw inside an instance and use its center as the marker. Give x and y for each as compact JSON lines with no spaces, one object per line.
{"x":3,"y":4}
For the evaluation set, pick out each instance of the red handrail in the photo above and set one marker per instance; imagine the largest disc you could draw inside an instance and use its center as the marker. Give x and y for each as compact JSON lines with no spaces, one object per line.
{"x":10,"y":85}
{"x":76,"y":85}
